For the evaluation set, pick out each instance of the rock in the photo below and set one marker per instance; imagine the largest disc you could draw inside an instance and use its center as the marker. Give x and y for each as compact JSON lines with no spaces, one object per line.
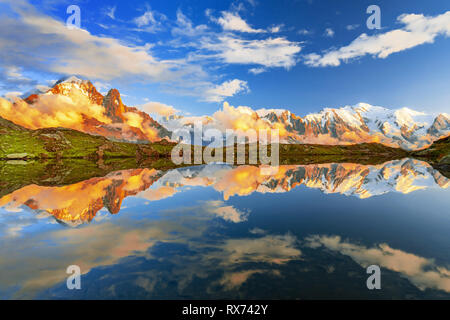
{"x":445,"y":160}
{"x":20,"y":156}
{"x":17,"y":162}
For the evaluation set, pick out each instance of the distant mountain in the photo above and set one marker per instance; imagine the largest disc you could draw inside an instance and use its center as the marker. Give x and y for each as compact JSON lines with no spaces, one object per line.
{"x":402,"y":128}
{"x":118,"y":121}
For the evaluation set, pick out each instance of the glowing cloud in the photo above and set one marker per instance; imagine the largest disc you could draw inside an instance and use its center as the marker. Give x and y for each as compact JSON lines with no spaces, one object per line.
{"x":422,"y":272}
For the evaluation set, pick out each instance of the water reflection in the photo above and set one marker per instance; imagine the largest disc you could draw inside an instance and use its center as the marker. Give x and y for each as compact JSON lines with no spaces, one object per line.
{"x":422,"y":272}
{"x":211,"y":232}
{"x":80,"y":202}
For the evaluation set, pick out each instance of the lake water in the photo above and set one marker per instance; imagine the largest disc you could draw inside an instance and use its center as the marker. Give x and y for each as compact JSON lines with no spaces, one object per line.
{"x":218,"y":231}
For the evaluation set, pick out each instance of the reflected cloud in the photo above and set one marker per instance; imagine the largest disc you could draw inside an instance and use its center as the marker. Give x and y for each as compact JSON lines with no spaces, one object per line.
{"x":420,"y":271}
{"x":268,"y":249}
{"x":39,"y":261}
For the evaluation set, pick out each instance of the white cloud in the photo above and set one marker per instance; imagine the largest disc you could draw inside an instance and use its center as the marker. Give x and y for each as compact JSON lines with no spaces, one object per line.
{"x":12,"y":95}
{"x":277,"y":249}
{"x":73,"y":51}
{"x":241,"y":118}
{"x":304,"y":32}
{"x":145,"y":19}
{"x":226,"y":89}
{"x":227,"y":213}
{"x":103,"y":26}
{"x":276,"y":29}
{"x":231,"y":21}
{"x":158,"y":108}
{"x":253,"y":3}
{"x":352,"y":26}
{"x":271,"y":52}
{"x":150,"y":21}
{"x":11,"y":77}
{"x":329,"y":33}
{"x":257,"y":70}
{"x":42,"y":88}
{"x":185,"y":26}
{"x":13,"y":72}
{"x":104,"y":58}
{"x":102,"y":87}
{"x":418,"y":29}
{"x":111,"y":12}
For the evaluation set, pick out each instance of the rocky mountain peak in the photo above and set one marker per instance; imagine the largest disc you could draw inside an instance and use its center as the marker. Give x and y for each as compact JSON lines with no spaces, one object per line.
{"x":114,"y":107}
{"x":68,"y":85}
{"x":117,"y":126}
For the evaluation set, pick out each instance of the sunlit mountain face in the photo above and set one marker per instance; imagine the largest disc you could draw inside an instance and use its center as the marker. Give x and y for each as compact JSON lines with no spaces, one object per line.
{"x":76,"y":104}
{"x":221,"y":231}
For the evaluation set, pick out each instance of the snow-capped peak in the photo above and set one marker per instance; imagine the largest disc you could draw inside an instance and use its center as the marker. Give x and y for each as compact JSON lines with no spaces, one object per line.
{"x":71,"y":79}
{"x":404,"y":127}
{"x":264,"y":112}
{"x":408,"y":117}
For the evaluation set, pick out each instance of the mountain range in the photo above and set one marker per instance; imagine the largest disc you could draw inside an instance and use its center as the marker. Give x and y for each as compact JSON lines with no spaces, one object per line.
{"x":402,"y":128}
{"x":76,"y":104}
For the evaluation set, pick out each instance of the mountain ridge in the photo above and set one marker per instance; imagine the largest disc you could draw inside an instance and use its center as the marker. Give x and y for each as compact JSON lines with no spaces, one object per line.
{"x":111,"y":117}
{"x":402,"y":128}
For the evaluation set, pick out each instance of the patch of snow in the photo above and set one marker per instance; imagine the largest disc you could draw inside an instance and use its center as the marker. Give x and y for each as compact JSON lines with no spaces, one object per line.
{"x":264,"y":112}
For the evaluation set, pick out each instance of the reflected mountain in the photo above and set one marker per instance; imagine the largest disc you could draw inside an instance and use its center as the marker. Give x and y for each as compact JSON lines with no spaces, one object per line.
{"x":228,"y":232}
{"x":79,"y":202}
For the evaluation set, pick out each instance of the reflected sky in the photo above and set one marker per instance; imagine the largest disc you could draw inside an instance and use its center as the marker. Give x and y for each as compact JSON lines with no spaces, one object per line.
{"x":217,"y":231}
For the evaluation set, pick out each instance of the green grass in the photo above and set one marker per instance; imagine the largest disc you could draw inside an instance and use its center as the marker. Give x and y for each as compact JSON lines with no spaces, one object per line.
{"x":438,"y":155}
{"x":438,"y":152}
{"x":61,"y":143}
{"x":304,"y":154}
{"x":15,"y":174}
{"x":20,"y":142}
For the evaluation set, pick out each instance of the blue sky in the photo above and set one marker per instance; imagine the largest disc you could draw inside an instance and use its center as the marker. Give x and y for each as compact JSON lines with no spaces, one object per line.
{"x":194,"y":55}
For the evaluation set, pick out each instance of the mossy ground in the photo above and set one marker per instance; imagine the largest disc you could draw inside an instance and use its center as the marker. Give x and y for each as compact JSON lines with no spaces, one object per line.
{"x":438,"y":154}
{"x":60,"y":143}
